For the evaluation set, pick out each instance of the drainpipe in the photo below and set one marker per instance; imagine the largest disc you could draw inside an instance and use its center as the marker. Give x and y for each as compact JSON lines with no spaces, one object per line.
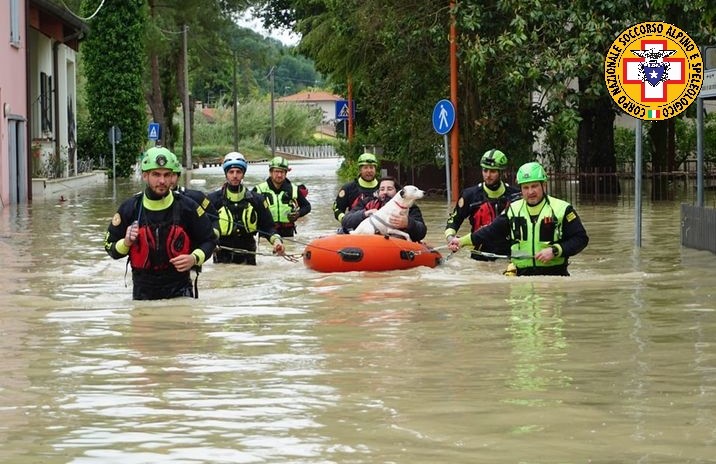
{"x":28,"y":104}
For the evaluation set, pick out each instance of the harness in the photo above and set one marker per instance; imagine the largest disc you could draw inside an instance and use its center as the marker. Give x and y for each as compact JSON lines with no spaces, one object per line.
{"x":237,"y":218}
{"x":147,"y":253}
{"x":485,"y":211}
{"x":157,"y":244}
{"x":281,"y":203}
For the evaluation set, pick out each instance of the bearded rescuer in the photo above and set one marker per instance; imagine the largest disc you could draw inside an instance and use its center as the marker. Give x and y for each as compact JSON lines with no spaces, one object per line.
{"x":242,"y":213}
{"x":412,"y":223}
{"x":483,"y":202}
{"x":286,"y":201}
{"x":164,"y":233}
{"x":544,"y":231}
{"x":353,"y":192}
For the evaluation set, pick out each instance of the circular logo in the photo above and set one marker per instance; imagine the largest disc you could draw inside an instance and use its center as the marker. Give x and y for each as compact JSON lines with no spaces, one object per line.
{"x":653,"y":71}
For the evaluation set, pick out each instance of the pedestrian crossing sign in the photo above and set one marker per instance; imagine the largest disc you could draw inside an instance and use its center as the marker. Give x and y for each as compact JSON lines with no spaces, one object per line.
{"x":342,"y":110}
{"x":154,"y":131}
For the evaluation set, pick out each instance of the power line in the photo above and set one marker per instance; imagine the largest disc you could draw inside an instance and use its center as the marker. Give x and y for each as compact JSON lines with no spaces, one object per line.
{"x":80,"y":17}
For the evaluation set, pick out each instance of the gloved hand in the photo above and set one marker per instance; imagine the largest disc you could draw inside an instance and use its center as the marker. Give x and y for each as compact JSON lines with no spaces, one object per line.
{"x":292,"y":216}
{"x":131,"y":235}
{"x":278,"y":247}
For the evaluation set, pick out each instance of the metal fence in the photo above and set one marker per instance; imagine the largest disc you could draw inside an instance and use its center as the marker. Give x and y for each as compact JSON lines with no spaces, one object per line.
{"x":698,"y":227}
{"x":605,"y":185}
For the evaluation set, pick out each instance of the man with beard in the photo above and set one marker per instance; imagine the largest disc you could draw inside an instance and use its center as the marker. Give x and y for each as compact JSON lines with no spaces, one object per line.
{"x":411,"y":223}
{"x":544,"y":231}
{"x":165,"y":234}
{"x":242,"y":213}
{"x":483,"y":202}
{"x":352,"y":193}
{"x":287,"y":201}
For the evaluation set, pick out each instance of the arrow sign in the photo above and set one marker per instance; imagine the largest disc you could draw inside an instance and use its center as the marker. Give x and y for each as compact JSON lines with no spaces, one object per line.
{"x":443,"y":117}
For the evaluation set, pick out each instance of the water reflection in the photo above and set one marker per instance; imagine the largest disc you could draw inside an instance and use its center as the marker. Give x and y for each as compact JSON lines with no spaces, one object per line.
{"x":281,"y":364}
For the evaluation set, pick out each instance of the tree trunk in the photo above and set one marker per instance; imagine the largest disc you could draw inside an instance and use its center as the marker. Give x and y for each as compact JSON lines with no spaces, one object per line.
{"x":595,"y":148}
{"x":154,"y":98}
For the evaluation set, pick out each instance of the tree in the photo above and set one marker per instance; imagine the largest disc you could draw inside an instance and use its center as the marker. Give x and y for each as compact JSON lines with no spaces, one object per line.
{"x":114,"y":76}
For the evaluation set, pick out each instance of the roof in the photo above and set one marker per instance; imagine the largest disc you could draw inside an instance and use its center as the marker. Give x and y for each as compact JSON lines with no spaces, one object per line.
{"x":311,"y":96}
{"x":61,"y":12}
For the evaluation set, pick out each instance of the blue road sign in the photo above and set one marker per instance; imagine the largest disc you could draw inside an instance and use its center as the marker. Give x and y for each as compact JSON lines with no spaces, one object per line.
{"x":443,"y":117}
{"x":154,"y":131}
{"x":342,"y":110}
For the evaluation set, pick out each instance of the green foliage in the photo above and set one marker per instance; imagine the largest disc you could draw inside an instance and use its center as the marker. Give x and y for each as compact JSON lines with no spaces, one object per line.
{"x":624,"y":144}
{"x":560,"y":138}
{"x":115,"y":78}
{"x":294,"y":124}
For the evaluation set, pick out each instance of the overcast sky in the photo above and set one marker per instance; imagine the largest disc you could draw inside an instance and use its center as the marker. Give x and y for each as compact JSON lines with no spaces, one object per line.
{"x":284,"y":36}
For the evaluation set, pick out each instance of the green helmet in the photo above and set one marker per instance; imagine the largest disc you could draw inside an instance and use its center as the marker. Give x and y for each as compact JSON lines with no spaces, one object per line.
{"x":176,"y":166}
{"x":531,"y":172}
{"x":158,"y":158}
{"x":367,"y":159}
{"x":494,"y":159}
{"x":279,"y":162}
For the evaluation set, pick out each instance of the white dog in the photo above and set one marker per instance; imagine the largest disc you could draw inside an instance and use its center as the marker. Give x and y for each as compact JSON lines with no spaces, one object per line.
{"x":379,"y":222}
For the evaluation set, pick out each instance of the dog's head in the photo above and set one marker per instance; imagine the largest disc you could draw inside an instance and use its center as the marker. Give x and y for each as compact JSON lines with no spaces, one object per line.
{"x":411,"y":193}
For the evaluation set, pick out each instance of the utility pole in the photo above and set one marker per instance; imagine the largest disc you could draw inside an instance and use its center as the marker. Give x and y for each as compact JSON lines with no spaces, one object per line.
{"x":187,"y":111}
{"x":454,"y":134}
{"x":273,"y":120}
{"x":350,"y":110}
{"x":236,"y":110}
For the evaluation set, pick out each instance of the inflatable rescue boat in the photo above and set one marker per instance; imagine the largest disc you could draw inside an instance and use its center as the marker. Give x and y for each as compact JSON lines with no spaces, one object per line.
{"x":344,"y":253}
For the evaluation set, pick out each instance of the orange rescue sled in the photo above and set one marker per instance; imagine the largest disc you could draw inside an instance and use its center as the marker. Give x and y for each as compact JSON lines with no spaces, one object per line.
{"x":344,"y":253}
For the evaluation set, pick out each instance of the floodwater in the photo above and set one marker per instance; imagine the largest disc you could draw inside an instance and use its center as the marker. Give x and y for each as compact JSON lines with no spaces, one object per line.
{"x":280,"y":364}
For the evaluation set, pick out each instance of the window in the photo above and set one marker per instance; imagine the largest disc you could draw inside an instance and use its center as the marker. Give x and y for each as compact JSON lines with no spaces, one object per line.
{"x":15,"y":22}
{"x":45,"y":102}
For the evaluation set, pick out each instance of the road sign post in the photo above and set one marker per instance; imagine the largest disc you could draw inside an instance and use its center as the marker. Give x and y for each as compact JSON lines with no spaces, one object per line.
{"x":114,"y":135}
{"x":443,"y":122}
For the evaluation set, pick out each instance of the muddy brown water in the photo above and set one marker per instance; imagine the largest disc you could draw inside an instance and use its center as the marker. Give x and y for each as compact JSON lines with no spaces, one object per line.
{"x":277,"y":363}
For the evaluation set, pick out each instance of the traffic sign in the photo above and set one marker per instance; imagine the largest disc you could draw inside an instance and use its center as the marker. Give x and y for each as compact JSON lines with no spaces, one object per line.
{"x":154,"y":131}
{"x":443,"y":117}
{"x":342,"y":110}
{"x":114,"y":135}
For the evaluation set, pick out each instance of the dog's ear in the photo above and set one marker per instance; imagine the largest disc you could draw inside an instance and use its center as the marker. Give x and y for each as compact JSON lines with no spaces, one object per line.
{"x":402,"y":192}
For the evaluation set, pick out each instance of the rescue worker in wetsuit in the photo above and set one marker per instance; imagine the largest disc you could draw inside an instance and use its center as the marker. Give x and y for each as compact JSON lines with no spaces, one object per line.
{"x":483,"y":202}
{"x":413,"y":223}
{"x":544,"y":231}
{"x":165,"y":233}
{"x":198,"y":196}
{"x":287,"y":201}
{"x":353,"y":192}
{"x":242,"y":213}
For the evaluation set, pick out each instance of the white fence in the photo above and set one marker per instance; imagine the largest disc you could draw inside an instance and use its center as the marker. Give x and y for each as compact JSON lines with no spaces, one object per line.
{"x":306,"y":151}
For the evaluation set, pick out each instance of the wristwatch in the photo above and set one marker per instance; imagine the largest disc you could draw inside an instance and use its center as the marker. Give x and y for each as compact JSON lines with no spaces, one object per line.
{"x":555,"y":250}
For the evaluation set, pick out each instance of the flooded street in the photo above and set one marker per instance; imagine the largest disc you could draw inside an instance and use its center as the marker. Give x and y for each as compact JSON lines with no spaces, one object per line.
{"x":280,"y":364}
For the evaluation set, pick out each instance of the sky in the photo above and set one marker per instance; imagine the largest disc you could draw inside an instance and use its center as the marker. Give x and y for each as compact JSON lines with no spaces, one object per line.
{"x":285,"y":37}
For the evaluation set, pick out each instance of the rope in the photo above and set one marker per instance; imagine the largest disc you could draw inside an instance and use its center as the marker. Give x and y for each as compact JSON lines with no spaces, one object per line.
{"x":293,"y":258}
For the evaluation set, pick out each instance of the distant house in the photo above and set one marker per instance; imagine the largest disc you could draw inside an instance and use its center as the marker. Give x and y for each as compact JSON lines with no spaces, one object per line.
{"x":38,"y":94}
{"x":318,"y":99}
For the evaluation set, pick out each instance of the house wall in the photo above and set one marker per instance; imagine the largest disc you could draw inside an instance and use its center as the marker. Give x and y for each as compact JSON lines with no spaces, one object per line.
{"x":67,"y":107}
{"x":13,"y":105}
{"x":61,"y":137}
